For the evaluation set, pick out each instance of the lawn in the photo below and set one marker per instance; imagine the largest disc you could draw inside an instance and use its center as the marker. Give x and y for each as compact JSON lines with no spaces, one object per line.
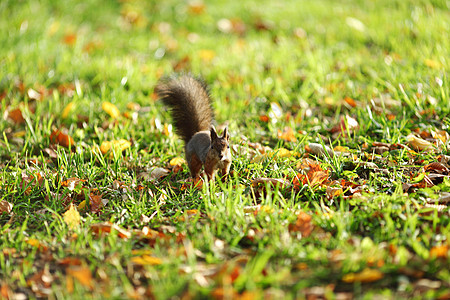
{"x":340,"y":134}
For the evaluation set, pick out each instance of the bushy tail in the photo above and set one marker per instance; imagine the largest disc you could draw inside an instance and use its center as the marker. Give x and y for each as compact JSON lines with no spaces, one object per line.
{"x":189,"y":101}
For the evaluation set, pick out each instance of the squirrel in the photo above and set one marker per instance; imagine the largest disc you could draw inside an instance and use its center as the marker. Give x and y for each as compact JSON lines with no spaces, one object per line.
{"x":191,"y":109}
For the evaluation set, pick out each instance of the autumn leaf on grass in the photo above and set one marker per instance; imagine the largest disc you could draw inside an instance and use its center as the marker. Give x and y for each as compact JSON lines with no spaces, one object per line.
{"x":287,"y":135}
{"x":107,"y":227}
{"x":72,"y":217}
{"x":439,"y":251}
{"x":315,"y":176}
{"x":419,"y":144}
{"x":346,"y":124}
{"x":60,"y":138}
{"x":146,"y":260}
{"x":73,"y":183}
{"x":5,"y":207}
{"x":303,"y":224}
{"x":196,"y":7}
{"x":207,"y":55}
{"x":66,"y":111}
{"x":111,"y":109}
{"x":82,"y":274}
{"x":70,"y":39}
{"x":16,"y":116}
{"x":116,"y":145}
{"x":365,"y":276}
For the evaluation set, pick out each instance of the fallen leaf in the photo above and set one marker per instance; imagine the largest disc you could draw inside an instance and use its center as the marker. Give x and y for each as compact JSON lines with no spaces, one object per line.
{"x":72,"y":217}
{"x":419,"y":144}
{"x":70,"y":39}
{"x":177,"y":161}
{"x":66,"y":111}
{"x":303,"y":224}
{"x":146,"y":260}
{"x":16,"y":116}
{"x":111,"y":109}
{"x":117,"y":145}
{"x":60,"y":138}
{"x":107,"y":227}
{"x":440,"y":251}
{"x":365,"y":276}
{"x":82,"y":274}
{"x":207,"y":55}
{"x":287,"y":135}
{"x":5,"y":207}
{"x":197,"y":7}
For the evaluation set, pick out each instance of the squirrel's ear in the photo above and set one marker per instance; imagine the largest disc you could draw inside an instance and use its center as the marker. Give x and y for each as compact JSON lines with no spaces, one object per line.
{"x":225,"y":134}
{"x":213,"y":133}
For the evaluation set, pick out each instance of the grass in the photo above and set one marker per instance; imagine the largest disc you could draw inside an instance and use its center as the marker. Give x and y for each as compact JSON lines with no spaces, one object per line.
{"x":371,"y":227}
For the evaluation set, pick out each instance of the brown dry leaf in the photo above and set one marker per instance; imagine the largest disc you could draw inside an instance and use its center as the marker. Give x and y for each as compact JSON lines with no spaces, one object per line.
{"x":182,"y":65}
{"x":16,"y":116}
{"x":315,"y":175}
{"x":111,"y":109}
{"x":41,"y":283}
{"x":303,"y":224}
{"x":288,"y":135}
{"x":60,"y":138}
{"x":72,"y":217}
{"x":264,"y":118}
{"x":5,"y":207}
{"x":82,"y":274}
{"x":107,"y":227}
{"x":73,"y":183}
{"x":436,"y":167}
{"x":96,"y":203}
{"x":346,"y":124}
{"x":365,"y":276}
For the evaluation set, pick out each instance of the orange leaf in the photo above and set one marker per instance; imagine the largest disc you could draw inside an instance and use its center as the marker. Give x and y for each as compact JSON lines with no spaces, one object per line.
{"x":264,"y":118}
{"x":70,"y":39}
{"x":60,"y":138}
{"x":303,"y":224}
{"x":287,"y":135}
{"x":350,"y":101}
{"x":82,"y":274}
{"x":439,"y":251}
{"x":107,"y":227}
{"x":16,"y":116}
{"x":146,"y":260}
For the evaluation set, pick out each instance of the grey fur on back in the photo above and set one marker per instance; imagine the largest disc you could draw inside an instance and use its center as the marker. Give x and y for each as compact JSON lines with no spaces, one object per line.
{"x":190,"y":104}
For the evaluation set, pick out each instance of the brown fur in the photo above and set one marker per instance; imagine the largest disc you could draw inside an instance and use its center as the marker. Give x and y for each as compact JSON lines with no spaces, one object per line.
{"x":188,"y":98}
{"x":192,"y":114}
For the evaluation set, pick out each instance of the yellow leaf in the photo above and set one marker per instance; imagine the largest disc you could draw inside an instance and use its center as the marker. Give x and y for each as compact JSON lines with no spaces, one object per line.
{"x":207,"y":55}
{"x":430,"y":63}
{"x":367,"y":275}
{"x":67,"y":110}
{"x":117,"y":145}
{"x":177,"y":161}
{"x":82,"y":205}
{"x":419,"y":144}
{"x":72,"y":217}
{"x":111,"y":109}
{"x":146,"y":260}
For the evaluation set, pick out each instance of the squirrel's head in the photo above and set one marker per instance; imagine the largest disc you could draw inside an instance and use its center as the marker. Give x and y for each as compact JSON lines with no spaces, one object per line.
{"x":220,"y":144}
